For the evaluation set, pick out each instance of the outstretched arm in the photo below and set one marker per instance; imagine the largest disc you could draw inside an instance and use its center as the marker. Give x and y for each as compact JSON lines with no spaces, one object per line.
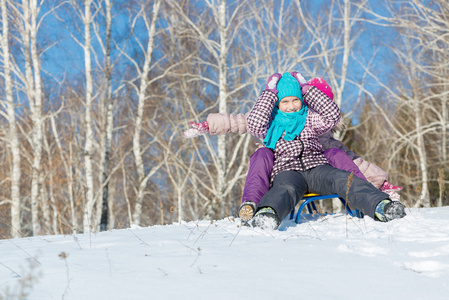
{"x":218,"y":124}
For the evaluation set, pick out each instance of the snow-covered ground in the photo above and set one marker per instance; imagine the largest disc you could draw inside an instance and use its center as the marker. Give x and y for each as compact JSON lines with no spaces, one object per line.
{"x":331,"y":257}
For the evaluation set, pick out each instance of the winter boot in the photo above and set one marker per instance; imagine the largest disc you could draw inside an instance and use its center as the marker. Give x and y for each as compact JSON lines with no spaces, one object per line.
{"x":388,"y":210}
{"x":265,"y":218}
{"x":246,"y":210}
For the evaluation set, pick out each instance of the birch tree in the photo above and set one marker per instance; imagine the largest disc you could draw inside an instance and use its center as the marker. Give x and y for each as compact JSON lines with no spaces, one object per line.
{"x":143,"y":176}
{"x":13,"y":138}
{"x":28,"y":28}
{"x":88,"y":148}
{"x":107,"y":136}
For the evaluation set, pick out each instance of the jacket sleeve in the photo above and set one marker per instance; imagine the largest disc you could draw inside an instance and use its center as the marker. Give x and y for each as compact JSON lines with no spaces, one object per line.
{"x":220,"y":123}
{"x":328,"y":113}
{"x":259,"y":118}
{"x":374,"y":174}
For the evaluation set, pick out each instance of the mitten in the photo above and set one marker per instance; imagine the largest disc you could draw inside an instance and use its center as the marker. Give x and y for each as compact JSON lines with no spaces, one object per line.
{"x":302,"y":81}
{"x":272,"y":83}
{"x":196,"y":130}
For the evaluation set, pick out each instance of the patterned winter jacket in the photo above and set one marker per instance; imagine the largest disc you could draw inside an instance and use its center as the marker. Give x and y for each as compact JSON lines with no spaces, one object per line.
{"x":304,"y":152}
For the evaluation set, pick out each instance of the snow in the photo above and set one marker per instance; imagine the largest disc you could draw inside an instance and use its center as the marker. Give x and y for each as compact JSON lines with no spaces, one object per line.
{"x":324,"y":257}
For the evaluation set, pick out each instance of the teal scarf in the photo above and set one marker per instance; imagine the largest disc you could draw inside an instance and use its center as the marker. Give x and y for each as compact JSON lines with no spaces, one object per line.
{"x":290,"y":123}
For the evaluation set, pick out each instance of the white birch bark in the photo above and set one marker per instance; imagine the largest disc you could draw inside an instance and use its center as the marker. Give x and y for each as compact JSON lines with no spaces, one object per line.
{"x":13,"y":138}
{"x":103,"y":208}
{"x":222,"y":108}
{"x":444,"y":145}
{"x":36,"y":103}
{"x":137,"y":147}
{"x":88,"y":148}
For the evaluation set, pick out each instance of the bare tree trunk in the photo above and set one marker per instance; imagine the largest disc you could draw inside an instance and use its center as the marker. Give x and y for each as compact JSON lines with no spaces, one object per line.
{"x":137,"y":148}
{"x":222,"y":106}
{"x":111,"y":212}
{"x":109,"y":121}
{"x":444,"y":133}
{"x":13,"y":138}
{"x":346,"y":51}
{"x":125,"y":193}
{"x":37,"y":135}
{"x":88,"y":148}
{"x":442,"y":187}
{"x":75,"y":226}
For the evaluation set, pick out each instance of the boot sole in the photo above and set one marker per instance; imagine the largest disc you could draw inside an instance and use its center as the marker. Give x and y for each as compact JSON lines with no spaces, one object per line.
{"x":394,"y":210}
{"x":246,"y":213}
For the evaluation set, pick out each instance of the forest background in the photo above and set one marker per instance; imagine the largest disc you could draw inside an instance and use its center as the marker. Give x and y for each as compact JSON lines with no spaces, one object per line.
{"x":95,"y":95}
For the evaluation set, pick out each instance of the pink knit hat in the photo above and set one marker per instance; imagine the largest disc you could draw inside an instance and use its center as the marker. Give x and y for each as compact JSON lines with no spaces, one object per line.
{"x":322,"y":85}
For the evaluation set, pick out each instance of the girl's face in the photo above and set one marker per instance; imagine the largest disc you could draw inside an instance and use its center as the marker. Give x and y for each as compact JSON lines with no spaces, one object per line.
{"x":290,"y":104}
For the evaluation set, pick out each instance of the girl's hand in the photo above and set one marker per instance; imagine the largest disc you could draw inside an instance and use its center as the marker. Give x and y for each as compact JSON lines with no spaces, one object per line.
{"x":196,"y":130}
{"x":272,"y":83}
{"x":302,"y":81}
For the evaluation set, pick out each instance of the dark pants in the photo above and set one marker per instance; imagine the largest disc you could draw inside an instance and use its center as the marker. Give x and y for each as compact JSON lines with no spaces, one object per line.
{"x":290,"y":186}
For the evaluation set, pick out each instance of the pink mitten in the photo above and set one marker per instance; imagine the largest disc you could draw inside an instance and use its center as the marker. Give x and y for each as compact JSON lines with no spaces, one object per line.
{"x":272,"y":83}
{"x":196,"y":130}
{"x":302,"y":81}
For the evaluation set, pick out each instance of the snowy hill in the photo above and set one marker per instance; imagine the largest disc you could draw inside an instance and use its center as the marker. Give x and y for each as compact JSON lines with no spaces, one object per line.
{"x":330,"y":257}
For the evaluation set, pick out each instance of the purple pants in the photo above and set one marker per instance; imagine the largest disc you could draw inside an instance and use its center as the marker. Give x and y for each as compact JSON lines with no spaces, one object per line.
{"x":257,"y":182}
{"x":337,"y":158}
